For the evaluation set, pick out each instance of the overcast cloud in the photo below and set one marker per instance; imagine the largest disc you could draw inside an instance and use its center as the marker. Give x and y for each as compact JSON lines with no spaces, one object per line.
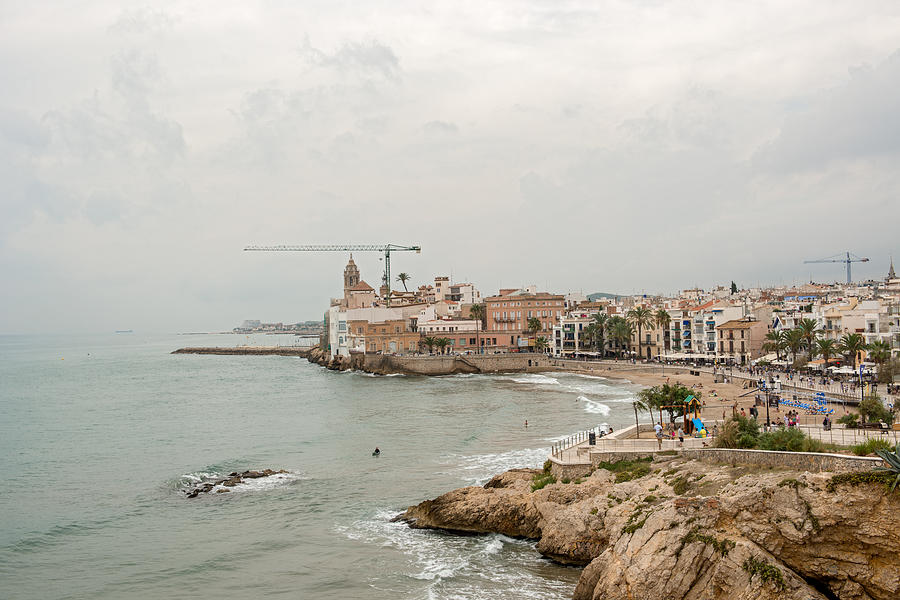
{"x":621,"y":146}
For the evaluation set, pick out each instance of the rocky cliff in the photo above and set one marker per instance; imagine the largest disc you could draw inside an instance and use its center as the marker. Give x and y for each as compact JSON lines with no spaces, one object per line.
{"x":676,"y":528}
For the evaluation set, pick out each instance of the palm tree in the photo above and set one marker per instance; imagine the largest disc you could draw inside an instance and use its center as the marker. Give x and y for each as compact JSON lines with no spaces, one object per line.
{"x":541,"y":344}
{"x":776,"y":343}
{"x":827,"y":348}
{"x":430,"y":343}
{"x":621,"y":331}
{"x":600,"y":320}
{"x":590,"y":333}
{"x":879,"y":351}
{"x":794,"y":341}
{"x":442,"y":343}
{"x":476,"y":311}
{"x":663,"y":320}
{"x":640,"y":317}
{"x":851,"y":345}
{"x":534,"y":324}
{"x":403,"y":278}
{"x":808,"y":327}
{"x":639,"y":405}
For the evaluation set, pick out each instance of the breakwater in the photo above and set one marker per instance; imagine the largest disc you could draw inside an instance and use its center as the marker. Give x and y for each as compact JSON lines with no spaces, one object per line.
{"x":248,"y":350}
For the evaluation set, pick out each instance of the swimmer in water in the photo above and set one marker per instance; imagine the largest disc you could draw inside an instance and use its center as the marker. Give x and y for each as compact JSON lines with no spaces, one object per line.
{"x":377,"y":452}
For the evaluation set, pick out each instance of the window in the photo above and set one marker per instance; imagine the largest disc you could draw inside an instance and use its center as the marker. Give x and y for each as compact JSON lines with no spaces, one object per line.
{"x":359,"y":330}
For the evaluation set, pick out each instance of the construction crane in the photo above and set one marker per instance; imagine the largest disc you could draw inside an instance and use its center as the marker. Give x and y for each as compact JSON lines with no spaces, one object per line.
{"x":386,"y":248}
{"x":838,"y":258}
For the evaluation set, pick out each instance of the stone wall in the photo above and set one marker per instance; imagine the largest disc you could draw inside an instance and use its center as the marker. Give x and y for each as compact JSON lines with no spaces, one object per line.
{"x":803,"y":461}
{"x":570,"y":471}
{"x":806,"y":461}
{"x":449,"y":365}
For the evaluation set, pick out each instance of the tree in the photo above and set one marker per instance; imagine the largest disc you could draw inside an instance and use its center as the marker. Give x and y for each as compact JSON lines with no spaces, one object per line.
{"x":872,"y":410}
{"x":477,"y":312}
{"x":775,"y":342}
{"x":851,"y":345}
{"x":793,"y":339}
{"x":590,"y":333}
{"x":442,"y":344}
{"x":663,"y":320}
{"x":640,"y":317}
{"x":879,"y":351}
{"x":810,"y":331}
{"x":827,"y":348}
{"x":621,"y":331}
{"x":430,"y":343}
{"x":639,"y":405}
{"x":600,"y":319}
{"x":541,"y":344}
{"x":534,"y":324}
{"x":734,"y":288}
{"x":403,"y":278}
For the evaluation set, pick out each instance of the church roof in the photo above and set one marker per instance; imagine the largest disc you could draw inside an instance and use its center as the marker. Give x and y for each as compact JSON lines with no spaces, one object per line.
{"x":891,"y":273}
{"x":362,"y":286}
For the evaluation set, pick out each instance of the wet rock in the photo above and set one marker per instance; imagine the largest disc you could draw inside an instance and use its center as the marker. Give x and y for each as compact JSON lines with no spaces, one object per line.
{"x":222,"y":484}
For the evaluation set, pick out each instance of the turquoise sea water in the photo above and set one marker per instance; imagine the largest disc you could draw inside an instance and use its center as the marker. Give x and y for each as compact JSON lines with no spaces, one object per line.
{"x":100,"y":435}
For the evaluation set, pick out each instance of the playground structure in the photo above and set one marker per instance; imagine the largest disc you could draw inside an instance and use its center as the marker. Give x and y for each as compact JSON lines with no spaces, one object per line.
{"x":689,"y":404}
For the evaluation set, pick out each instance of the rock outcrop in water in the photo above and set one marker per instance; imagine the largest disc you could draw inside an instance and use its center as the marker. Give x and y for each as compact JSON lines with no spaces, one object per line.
{"x":230,"y":481}
{"x":695,"y":531}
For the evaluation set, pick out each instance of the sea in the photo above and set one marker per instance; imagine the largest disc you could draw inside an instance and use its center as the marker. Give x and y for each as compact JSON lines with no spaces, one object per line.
{"x":101,"y":435}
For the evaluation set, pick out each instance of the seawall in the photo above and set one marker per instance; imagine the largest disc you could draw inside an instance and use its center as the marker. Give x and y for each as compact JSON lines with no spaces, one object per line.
{"x":381,"y":364}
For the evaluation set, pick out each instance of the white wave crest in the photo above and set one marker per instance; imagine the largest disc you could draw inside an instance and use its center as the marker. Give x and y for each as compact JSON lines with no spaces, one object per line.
{"x":477,"y":469}
{"x":595,"y":408}
{"x":536,"y":379}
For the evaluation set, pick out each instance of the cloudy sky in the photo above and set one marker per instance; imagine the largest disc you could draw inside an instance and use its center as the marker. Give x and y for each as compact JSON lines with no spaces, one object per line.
{"x":621,"y":146}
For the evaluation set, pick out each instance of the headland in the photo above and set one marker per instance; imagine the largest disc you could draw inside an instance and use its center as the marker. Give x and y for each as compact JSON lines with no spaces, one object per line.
{"x":668,"y":526}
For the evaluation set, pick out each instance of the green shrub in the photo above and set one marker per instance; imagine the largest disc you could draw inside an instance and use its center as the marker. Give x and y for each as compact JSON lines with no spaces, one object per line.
{"x":767,"y":573}
{"x":541,"y":480}
{"x":680,"y":485}
{"x":859,"y":478}
{"x":791,"y":482}
{"x":850,"y":420}
{"x":547,"y":466}
{"x":870,"y":446}
{"x":723,"y":546}
{"x":790,"y":440}
{"x":738,"y":432}
{"x":627,"y":470}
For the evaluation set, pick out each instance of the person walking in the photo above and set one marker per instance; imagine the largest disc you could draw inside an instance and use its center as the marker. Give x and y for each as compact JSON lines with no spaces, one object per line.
{"x":680,"y":437}
{"x":658,"y":428}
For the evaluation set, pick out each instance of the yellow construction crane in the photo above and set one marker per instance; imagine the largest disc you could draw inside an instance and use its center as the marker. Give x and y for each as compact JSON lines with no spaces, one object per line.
{"x":385,"y":248}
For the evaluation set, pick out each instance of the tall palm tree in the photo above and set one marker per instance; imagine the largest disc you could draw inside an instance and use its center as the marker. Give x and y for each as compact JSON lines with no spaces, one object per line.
{"x":879,"y":351}
{"x":442,"y":343}
{"x":794,"y":341}
{"x":640,"y":317}
{"x":429,"y":342}
{"x":403,"y":278}
{"x":477,"y":312}
{"x":621,"y":331}
{"x":809,"y":329}
{"x":534,"y":324}
{"x":590,"y":333}
{"x":541,"y":344}
{"x":851,"y":345}
{"x":827,"y":348}
{"x":775,"y":342}
{"x":639,"y":405}
{"x":600,"y":319}
{"x":663,"y":320}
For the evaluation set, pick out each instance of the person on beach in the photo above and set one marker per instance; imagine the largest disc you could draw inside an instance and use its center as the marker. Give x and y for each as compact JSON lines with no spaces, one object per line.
{"x":658,"y":428}
{"x":377,"y":452}
{"x":526,"y":423}
{"x":680,"y":436}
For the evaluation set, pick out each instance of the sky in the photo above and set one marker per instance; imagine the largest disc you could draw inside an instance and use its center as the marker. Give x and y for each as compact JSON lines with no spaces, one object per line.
{"x":626,"y":146}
